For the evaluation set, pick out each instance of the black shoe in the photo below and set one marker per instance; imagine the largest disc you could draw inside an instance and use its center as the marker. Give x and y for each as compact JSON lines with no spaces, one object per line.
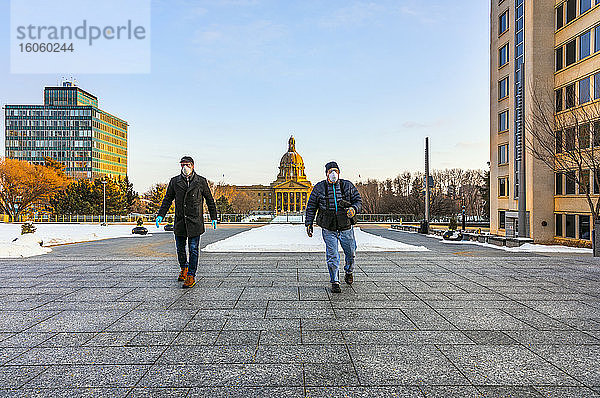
{"x":349,"y":278}
{"x":335,"y":288}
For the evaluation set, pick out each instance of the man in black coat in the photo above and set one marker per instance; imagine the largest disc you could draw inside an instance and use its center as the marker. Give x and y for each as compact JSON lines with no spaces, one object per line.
{"x":335,"y":203}
{"x":189,"y":191}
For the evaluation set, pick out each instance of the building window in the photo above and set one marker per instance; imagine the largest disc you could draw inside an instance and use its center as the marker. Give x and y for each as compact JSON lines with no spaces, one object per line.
{"x":585,"y":44}
{"x":560,"y":15}
{"x":570,"y":183}
{"x":503,"y":55}
{"x":584,"y":136}
{"x":597,"y":86}
{"x":559,"y":142}
{"x":559,"y":58}
{"x":597,"y":182}
{"x":503,"y":23}
{"x":584,"y":227}
{"x":584,"y":5}
{"x":570,"y":139}
{"x":558,"y":225}
{"x":584,"y":90}
{"x":570,"y":96}
{"x":502,"y":187}
{"x":503,"y":154}
{"x":571,"y":10}
{"x":558,"y":183}
{"x":570,"y":226}
{"x":503,"y":88}
{"x":558,"y":99}
{"x":501,"y":219}
{"x":584,"y":182}
{"x":597,"y":38}
{"x":596,"y":134}
{"x":571,"y":53}
{"x":503,"y":121}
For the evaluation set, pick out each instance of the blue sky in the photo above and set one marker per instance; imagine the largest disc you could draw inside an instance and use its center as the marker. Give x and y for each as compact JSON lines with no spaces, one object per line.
{"x":360,"y":82}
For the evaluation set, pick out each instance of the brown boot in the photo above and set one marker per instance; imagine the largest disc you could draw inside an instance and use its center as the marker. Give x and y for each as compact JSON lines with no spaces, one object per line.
{"x":190,"y":281}
{"x":182,"y":274}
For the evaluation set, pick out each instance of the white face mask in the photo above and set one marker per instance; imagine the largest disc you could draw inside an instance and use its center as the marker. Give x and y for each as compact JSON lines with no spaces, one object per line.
{"x":333,"y":177}
{"x":186,"y":170}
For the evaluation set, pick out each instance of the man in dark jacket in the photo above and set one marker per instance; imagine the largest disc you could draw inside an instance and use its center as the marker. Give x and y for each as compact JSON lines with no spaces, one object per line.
{"x":335,"y":203}
{"x":189,"y":191}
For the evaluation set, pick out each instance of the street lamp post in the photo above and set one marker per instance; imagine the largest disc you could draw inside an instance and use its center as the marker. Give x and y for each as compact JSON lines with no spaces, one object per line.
{"x":104,"y":196}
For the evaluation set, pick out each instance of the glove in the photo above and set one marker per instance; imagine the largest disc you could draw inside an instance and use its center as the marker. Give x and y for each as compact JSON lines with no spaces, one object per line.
{"x":158,"y":220}
{"x":351,"y":212}
{"x":309,"y":230}
{"x":214,"y":224}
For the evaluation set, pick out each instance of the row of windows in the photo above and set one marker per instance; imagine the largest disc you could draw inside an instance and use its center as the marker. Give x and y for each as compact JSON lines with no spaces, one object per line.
{"x":581,"y":137}
{"x":104,"y":167}
{"x":110,"y":129}
{"x":264,"y":194}
{"x":48,"y":113}
{"x":48,"y":143}
{"x":577,"y":49}
{"x":110,"y":139}
{"x":564,"y":226}
{"x":109,"y":157}
{"x":577,"y":93}
{"x":567,"y":11}
{"x":57,"y":155}
{"x":111,"y":120}
{"x":567,"y":183}
{"x":48,"y":123}
{"x":48,"y":133}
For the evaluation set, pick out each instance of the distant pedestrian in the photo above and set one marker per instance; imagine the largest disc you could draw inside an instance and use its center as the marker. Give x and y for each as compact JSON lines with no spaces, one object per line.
{"x":335,"y":203}
{"x":189,"y":191}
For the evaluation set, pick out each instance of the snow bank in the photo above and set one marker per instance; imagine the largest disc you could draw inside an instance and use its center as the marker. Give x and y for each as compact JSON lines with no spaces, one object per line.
{"x":57,"y":234}
{"x":293,"y":238}
{"x":24,"y":246}
{"x":526,"y":248}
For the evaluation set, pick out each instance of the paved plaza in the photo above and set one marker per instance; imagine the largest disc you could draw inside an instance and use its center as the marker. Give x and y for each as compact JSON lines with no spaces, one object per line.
{"x":109,"y":319}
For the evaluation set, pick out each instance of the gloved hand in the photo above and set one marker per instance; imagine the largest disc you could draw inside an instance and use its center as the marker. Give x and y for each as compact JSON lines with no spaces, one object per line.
{"x":309,"y":231}
{"x":158,"y":220}
{"x":351,"y":212}
{"x":214,"y":224}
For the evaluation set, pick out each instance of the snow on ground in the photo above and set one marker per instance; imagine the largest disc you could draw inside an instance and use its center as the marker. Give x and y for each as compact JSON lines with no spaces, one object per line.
{"x":293,"y":238}
{"x":57,"y":234}
{"x":525,"y":248}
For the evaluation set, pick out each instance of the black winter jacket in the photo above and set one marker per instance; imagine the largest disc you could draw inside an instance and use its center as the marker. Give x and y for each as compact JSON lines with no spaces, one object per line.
{"x":189,"y":204}
{"x":322,"y":199}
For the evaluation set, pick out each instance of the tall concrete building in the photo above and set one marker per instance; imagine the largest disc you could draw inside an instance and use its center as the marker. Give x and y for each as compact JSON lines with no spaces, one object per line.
{"x":70,"y":128}
{"x":539,"y":45}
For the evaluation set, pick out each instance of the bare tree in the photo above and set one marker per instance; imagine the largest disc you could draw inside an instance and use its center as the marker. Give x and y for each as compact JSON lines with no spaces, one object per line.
{"x":565,"y":135}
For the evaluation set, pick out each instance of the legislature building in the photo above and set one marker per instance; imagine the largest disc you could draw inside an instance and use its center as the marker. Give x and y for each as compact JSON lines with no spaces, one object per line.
{"x":70,"y":128}
{"x":289,"y":192}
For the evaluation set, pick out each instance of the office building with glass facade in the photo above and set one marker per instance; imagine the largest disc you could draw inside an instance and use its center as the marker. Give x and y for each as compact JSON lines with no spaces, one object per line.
{"x":531,"y":57}
{"x":70,"y":128}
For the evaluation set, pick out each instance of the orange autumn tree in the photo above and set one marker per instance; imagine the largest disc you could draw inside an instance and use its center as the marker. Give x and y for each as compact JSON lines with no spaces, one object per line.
{"x":23,"y":184}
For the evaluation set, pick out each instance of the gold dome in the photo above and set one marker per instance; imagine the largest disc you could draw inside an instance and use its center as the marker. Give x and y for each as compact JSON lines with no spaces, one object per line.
{"x":291,"y":166}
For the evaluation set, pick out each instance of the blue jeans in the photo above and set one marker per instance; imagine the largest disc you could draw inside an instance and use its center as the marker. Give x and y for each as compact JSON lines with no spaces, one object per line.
{"x":346,"y":239}
{"x":194,"y":243}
